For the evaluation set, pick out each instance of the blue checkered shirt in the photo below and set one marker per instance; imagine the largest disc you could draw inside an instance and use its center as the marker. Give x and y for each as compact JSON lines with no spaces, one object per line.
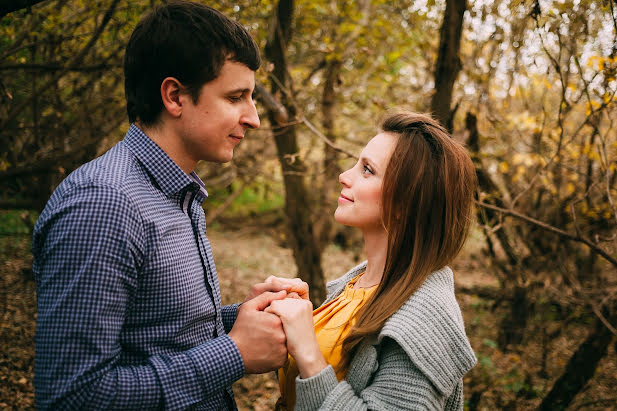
{"x":129,"y":306}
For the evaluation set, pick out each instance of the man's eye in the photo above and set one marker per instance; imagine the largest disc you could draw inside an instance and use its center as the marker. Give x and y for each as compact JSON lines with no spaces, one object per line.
{"x":235,"y":99}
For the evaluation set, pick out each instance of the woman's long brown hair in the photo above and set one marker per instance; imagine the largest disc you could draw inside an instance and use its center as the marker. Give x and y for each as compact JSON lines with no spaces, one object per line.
{"x":427,"y":199}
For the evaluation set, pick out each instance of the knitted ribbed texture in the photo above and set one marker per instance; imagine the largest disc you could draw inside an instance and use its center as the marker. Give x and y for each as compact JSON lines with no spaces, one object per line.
{"x":417,"y":361}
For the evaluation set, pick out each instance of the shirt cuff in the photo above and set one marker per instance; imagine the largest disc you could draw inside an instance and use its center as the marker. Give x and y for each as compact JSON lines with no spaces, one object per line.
{"x":218,"y":360}
{"x":228,"y":315}
{"x":312,"y":392}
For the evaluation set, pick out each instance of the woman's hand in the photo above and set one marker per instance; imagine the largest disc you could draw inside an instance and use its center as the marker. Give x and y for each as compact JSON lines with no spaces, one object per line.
{"x":297,"y":318}
{"x":294,"y":287}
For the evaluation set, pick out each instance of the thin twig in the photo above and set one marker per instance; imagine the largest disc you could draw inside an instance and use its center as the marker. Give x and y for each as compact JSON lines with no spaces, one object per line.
{"x":552,"y":229}
{"x":73,"y":62}
{"x":230,"y":199}
{"x":600,"y":401}
{"x":607,"y":167}
{"x":324,"y":138}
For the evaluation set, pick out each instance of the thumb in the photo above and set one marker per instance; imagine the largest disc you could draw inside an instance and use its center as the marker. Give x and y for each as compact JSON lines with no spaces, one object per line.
{"x":263,"y":300}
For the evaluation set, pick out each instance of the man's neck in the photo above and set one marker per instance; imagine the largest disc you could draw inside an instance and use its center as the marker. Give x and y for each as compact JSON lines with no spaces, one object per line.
{"x":166,"y":138}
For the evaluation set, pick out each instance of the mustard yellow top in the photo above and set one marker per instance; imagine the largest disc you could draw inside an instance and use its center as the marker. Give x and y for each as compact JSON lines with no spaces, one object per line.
{"x":332,"y":324}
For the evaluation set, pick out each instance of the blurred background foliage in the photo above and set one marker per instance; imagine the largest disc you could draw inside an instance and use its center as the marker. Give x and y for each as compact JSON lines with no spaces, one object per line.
{"x":530,"y":88}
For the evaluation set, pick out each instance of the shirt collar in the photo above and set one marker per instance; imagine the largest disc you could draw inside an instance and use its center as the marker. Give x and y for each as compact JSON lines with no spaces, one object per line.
{"x":162,"y":169}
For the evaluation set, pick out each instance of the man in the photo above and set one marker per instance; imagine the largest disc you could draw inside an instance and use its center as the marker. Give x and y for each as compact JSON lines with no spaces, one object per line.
{"x":129,"y":307}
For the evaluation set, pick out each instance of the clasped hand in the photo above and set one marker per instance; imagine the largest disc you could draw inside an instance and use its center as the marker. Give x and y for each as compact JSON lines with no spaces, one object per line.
{"x":296,"y":315}
{"x":264,"y":332}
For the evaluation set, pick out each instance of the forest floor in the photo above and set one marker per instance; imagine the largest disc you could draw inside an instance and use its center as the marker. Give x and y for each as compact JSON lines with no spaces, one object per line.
{"x":512,"y":380}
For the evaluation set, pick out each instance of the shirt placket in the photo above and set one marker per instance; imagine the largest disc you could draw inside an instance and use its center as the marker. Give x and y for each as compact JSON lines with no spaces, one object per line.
{"x":198,"y":221}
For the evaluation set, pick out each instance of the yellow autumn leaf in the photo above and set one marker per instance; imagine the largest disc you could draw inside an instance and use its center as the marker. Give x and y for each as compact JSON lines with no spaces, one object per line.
{"x":570,"y":188}
{"x":606,"y":98}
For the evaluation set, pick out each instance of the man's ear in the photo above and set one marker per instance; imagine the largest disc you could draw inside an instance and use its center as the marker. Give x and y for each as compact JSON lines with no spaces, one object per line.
{"x":171,"y":90}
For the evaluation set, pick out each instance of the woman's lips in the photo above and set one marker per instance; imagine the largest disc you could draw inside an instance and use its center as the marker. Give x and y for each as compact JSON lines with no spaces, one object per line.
{"x":344,"y":199}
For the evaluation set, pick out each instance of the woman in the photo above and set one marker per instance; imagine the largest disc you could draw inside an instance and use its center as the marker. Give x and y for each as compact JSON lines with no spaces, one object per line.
{"x":390,"y":334}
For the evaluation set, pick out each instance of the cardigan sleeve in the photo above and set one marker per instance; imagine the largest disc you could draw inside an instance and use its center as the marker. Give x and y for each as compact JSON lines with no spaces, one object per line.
{"x":396,"y":385}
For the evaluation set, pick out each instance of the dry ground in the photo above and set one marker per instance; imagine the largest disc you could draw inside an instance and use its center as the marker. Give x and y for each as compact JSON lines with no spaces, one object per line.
{"x":247,"y":256}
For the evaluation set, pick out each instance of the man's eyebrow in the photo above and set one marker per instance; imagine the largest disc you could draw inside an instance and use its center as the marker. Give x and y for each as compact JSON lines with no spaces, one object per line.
{"x":240,"y":90}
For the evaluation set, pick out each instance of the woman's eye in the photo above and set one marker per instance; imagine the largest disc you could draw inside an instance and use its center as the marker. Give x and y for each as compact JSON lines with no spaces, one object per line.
{"x":366,"y":170}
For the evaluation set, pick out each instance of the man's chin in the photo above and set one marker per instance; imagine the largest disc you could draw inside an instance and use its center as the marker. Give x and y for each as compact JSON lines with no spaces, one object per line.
{"x":221,"y":158}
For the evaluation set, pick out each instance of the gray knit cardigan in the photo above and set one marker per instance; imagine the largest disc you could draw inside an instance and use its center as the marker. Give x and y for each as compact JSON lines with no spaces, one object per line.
{"x":417,"y":361}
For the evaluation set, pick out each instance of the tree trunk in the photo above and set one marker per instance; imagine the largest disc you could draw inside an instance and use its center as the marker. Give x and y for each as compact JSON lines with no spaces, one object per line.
{"x":448,"y":62}
{"x":580,"y":368}
{"x":297,"y":209}
{"x":330,"y":184}
{"x":513,"y":324}
{"x":512,"y":327}
{"x":487,"y":185}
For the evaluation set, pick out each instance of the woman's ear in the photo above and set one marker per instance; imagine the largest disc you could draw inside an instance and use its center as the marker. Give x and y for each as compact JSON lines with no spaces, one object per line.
{"x":171,"y":90}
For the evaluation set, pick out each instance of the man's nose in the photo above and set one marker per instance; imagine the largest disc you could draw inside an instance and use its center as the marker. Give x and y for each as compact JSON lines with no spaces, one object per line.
{"x":250,"y":119}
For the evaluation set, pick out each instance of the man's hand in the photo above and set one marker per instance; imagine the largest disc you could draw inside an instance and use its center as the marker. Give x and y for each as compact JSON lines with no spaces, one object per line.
{"x":259,"y":335}
{"x":275,"y":284}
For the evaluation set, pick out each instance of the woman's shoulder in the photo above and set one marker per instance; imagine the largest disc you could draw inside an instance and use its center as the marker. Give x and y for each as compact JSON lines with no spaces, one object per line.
{"x":434,"y":303}
{"x":429,"y":328}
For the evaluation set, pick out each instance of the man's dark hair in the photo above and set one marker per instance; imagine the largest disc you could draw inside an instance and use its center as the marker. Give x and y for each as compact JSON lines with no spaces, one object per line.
{"x":187,"y":41}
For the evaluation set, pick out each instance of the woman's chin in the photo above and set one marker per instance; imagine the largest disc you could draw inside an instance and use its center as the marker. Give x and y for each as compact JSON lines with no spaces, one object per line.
{"x":341,"y":219}
{"x":339,"y":216}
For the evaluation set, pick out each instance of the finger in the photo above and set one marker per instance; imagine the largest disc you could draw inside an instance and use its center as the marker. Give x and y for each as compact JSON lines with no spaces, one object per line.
{"x":261,"y":288}
{"x":293,"y":281}
{"x":277,"y":307}
{"x":274,"y":285}
{"x":283,"y":280}
{"x":293,"y":295}
{"x":263,"y":300}
{"x":301,"y":288}
{"x":274,"y":278}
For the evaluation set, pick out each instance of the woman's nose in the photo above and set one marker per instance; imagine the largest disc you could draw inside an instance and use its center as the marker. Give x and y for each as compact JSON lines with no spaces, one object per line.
{"x":343,"y":178}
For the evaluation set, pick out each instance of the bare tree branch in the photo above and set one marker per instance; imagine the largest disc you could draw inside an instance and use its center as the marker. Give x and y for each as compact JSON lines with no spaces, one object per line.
{"x":552,"y":229}
{"x":282,"y":118}
{"x":324,"y":138}
{"x":73,"y":62}
{"x":16,"y":204}
{"x":57,"y":67}
{"x":9,"y":6}
{"x":214,"y":215}
{"x":271,"y":103}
